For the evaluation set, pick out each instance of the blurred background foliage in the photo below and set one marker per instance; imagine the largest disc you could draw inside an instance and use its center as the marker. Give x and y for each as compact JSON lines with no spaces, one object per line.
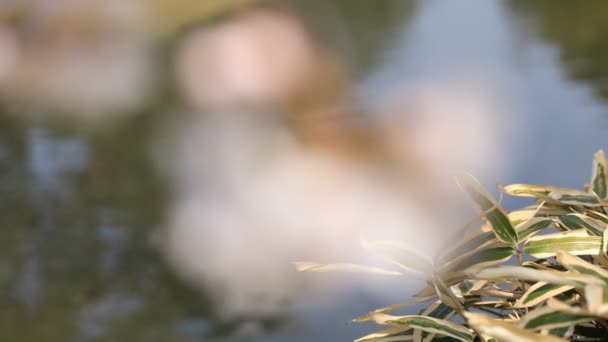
{"x":79,"y":256}
{"x":82,"y":206}
{"x":578,"y":31}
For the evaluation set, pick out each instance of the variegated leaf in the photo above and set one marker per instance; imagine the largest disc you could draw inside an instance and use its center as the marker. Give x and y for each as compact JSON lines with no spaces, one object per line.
{"x":404,"y":256}
{"x":390,"y":308}
{"x":540,"y":292}
{"x":504,"y":331}
{"x":579,"y":265}
{"x":576,"y":242}
{"x":388,"y":335}
{"x":494,"y":213}
{"x":549,"y":317}
{"x":574,"y":198}
{"x":529,"y":190}
{"x":490,"y":256}
{"x":530,"y":274}
{"x":428,"y":324}
{"x":309,"y":266}
{"x":599,"y":177}
{"x":577,"y":221}
{"x":532,"y":226}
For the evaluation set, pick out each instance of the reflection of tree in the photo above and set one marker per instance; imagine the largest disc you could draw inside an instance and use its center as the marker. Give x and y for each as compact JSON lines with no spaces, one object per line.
{"x":362,"y":29}
{"x":580,"y":30}
{"x":79,"y":262}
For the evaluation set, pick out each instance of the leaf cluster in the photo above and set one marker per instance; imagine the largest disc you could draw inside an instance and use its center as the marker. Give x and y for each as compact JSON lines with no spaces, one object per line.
{"x":539,"y":273}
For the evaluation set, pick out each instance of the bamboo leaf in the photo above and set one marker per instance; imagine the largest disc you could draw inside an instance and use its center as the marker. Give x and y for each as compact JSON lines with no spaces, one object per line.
{"x":530,"y":274}
{"x":563,"y":332}
{"x":532,"y":226}
{"x":581,"y":266}
{"x":540,"y":292}
{"x":468,"y":246}
{"x":529,"y":190}
{"x":436,"y":310}
{"x":446,"y":295}
{"x":494,"y":213}
{"x":599,"y":177}
{"x":388,"y":335}
{"x":577,"y":221}
{"x":504,"y":331}
{"x":309,"y":266}
{"x":574,"y":197}
{"x":576,"y":242}
{"x":428,"y":324}
{"x":390,"y":308}
{"x":489,"y":256}
{"x":549,"y":317}
{"x":401,"y":255}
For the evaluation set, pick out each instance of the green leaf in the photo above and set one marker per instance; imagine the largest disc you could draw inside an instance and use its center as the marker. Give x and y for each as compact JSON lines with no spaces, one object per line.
{"x":549,"y":317}
{"x":484,"y":257}
{"x":579,"y":265}
{"x":390,"y":308}
{"x":310,"y":266}
{"x":532,"y":226}
{"x":428,"y":324}
{"x":388,"y":335}
{"x":540,"y":292}
{"x":529,"y":190}
{"x":446,"y":295}
{"x":576,"y":242}
{"x":556,"y":194}
{"x":467,"y":247}
{"x":494,"y":213}
{"x":576,"y":221}
{"x":574,"y":197}
{"x":504,"y":331}
{"x":599,"y":177}
{"x":436,"y":310}
{"x":564,"y":332}
{"x":530,"y":274}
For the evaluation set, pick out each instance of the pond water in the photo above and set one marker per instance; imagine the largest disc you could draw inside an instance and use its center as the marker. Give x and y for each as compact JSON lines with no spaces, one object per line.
{"x":81,"y":211}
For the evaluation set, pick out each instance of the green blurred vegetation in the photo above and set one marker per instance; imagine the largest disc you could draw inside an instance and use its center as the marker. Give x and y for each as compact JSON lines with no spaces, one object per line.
{"x":54,"y":244}
{"x":579,"y":29}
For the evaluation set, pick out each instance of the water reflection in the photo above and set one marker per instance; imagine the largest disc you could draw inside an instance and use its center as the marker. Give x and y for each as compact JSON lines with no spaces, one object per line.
{"x":82,"y":207}
{"x":82,"y":210}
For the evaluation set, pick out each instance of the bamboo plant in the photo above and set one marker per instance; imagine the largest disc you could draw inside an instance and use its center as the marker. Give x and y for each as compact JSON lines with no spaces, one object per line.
{"x":539,"y":273}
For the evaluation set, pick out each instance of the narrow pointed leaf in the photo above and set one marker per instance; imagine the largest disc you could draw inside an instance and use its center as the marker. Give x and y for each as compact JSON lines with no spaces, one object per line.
{"x":529,"y":274}
{"x":575,"y":198}
{"x":309,"y":266}
{"x":563,"y":332}
{"x":390,"y":308}
{"x":490,"y":256}
{"x":494,"y":213}
{"x":467,"y":247}
{"x":401,"y":255}
{"x":529,"y":190}
{"x":579,"y":265}
{"x":549,"y":317}
{"x":436,"y":310}
{"x":446,"y":295}
{"x":599,"y":178}
{"x":532,"y":226}
{"x":504,"y":331}
{"x":577,"y":221}
{"x":388,"y":335}
{"x":576,"y":242}
{"x":541,"y":292}
{"x":428,"y":324}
